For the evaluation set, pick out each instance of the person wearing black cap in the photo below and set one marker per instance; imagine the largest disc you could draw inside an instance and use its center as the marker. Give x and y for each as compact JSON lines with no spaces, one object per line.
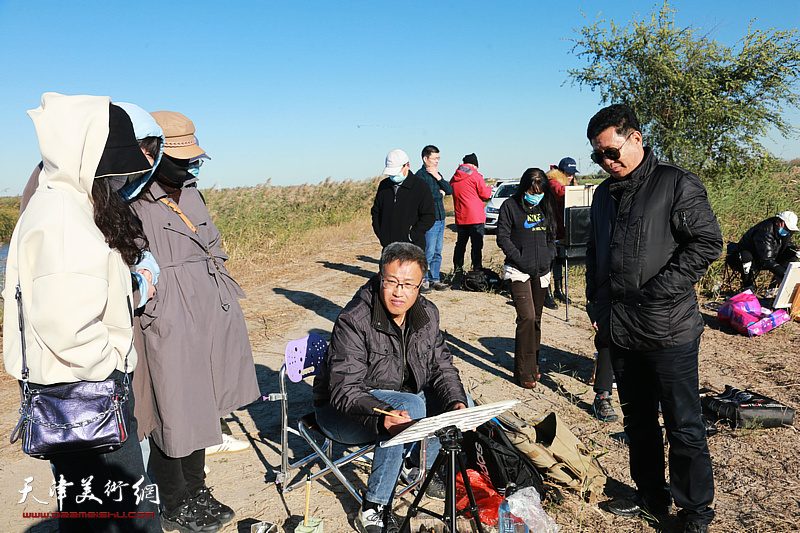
{"x":469,"y":193}
{"x":69,"y":256}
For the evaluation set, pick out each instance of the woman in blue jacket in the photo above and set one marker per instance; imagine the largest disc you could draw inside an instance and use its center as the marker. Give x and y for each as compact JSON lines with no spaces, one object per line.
{"x":526,"y":234}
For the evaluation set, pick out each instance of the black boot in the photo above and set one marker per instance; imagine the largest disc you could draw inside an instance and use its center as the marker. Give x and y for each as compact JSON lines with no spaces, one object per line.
{"x":559,"y":294}
{"x":549,"y":302}
{"x":458,"y":277}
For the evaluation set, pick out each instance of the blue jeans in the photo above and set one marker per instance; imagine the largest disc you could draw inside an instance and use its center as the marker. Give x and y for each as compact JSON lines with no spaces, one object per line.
{"x":434,"y":241}
{"x":386,"y":462}
{"x":668,"y":376}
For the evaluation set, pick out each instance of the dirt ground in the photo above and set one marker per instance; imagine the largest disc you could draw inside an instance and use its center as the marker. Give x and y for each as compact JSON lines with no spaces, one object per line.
{"x":756,"y":470}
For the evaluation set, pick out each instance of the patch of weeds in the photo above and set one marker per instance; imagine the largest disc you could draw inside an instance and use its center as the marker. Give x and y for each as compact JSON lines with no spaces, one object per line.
{"x":752,"y":429}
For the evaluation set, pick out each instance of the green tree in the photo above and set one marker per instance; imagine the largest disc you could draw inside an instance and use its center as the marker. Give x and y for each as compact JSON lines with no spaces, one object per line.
{"x":701,"y":104}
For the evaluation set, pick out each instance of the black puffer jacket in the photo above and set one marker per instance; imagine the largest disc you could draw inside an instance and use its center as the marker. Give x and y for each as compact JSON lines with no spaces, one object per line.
{"x":404,"y":215}
{"x":365,"y":353}
{"x":646,"y":253}
{"x":766,"y":245}
{"x":522,"y":235}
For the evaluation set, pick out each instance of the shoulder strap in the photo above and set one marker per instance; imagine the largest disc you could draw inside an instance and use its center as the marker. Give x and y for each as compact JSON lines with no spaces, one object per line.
{"x":178,"y":211}
{"x":25,"y":371}
{"x":18,"y":297}
{"x":191,"y":226}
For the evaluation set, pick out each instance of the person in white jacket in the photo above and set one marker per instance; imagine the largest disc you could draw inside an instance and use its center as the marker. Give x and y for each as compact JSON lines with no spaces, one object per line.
{"x":69,"y":255}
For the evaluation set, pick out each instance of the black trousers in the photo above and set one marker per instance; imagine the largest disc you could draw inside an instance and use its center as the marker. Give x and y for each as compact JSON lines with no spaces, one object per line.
{"x":474,"y":234}
{"x":669,"y":376}
{"x":736,"y":262}
{"x":177,"y":477}
{"x":528,"y":300}
{"x":604,"y":373}
{"x":121,"y":468}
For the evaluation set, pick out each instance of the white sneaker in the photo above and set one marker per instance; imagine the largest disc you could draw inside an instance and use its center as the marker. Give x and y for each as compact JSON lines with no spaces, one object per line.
{"x":370,"y":520}
{"x":229,"y":444}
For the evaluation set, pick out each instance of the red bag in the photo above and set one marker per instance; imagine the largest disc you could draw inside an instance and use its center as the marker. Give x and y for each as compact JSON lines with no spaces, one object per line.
{"x":486,"y":497}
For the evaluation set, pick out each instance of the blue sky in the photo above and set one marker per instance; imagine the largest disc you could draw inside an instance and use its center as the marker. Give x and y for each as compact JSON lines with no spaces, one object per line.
{"x":297,"y":91}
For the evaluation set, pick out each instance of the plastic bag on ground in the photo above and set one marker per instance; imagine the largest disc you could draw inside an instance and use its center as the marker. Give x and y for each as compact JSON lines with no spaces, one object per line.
{"x":486,"y":497}
{"x":525,"y":504}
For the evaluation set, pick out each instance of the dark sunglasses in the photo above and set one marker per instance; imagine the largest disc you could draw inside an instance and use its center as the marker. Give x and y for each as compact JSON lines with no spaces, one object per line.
{"x":608,"y":153}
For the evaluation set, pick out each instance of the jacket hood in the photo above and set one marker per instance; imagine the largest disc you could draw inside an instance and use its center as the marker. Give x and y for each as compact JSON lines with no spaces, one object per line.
{"x":558,"y":175}
{"x":72,"y":133}
{"x":465,"y":171}
{"x":144,"y":125}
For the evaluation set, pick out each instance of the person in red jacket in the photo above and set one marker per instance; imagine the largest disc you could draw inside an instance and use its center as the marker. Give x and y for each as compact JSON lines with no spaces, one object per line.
{"x":469,"y":193}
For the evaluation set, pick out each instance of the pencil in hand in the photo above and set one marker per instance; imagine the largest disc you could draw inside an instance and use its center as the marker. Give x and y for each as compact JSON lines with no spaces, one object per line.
{"x":387,"y":413}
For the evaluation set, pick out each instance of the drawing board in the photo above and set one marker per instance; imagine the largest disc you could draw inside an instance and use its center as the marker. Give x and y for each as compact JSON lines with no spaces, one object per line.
{"x":463,"y":419}
{"x":788,"y":287}
{"x":578,"y":195}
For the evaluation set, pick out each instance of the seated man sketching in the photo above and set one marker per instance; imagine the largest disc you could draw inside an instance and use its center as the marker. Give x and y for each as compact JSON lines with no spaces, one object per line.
{"x":765,"y":246}
{"x":387,"y":353}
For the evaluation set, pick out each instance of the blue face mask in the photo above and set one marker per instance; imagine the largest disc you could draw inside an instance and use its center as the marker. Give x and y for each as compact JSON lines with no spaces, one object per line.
{"x":534,"y":199}
{"x":398,"y":178}
{"x":783,"y":232}
{"x":194,"y":167}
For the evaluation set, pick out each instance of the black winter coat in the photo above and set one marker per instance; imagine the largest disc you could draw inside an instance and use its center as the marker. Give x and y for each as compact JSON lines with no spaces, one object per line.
{"x":405,"y":215}
{"x":645,"y":255}
{"x":365,"y":353}
{"x":522,"y":235}
{"x":765,"y":244}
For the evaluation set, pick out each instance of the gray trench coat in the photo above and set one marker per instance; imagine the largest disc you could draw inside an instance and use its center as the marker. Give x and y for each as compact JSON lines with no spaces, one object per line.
{"x":197,"y":352}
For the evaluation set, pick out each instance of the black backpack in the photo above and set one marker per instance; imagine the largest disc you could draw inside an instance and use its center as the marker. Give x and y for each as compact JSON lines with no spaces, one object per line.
{"x":480,"y":280}
{"x":490,"y":452}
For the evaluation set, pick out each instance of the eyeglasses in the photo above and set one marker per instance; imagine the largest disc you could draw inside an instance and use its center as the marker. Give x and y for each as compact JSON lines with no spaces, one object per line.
{"x":391,"y":284}
{"x":608,"y":153}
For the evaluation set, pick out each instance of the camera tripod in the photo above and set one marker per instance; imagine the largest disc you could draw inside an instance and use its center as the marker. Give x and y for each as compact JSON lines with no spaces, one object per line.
{"x":450,"y":453}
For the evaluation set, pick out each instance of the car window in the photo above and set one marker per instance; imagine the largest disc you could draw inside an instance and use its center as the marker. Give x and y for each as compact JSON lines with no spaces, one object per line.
{"x":506,"y":191}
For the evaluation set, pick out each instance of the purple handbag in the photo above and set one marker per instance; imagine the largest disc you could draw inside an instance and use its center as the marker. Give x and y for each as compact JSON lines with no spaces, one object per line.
{"x":71,"y":418}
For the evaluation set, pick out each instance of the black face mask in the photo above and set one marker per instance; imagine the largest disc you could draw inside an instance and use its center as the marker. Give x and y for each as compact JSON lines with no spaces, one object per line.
{"x":173,"y":172}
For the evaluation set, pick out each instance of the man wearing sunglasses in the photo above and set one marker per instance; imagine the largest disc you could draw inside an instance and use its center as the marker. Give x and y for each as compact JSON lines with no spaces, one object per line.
{"x":653,"y":236}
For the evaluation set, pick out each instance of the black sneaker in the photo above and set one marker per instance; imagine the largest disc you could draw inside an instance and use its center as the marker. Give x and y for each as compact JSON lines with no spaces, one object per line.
{"x":391,"y":523}
{"x":602,"y":409}
{"x":694,"y":527}
{"x":212,"y":506}
{"x":439,"y":286}
{"x":436,"y":488}
{"x":190,"y":518}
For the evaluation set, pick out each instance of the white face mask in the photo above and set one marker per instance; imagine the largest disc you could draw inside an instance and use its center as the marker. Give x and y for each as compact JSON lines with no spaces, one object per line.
{"x":398,"y":178}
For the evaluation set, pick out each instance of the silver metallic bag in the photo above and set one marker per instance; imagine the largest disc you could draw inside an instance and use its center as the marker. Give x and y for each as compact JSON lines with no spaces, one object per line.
{"x":70,"y":418}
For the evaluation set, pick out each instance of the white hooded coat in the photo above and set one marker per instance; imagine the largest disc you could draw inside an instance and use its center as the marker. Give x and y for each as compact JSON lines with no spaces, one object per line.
{"x":76,"y":291}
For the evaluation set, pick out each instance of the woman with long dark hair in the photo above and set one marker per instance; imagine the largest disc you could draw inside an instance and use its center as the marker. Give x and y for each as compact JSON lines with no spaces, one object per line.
{"x":69,"y":255}
{"x":526,"y":234}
